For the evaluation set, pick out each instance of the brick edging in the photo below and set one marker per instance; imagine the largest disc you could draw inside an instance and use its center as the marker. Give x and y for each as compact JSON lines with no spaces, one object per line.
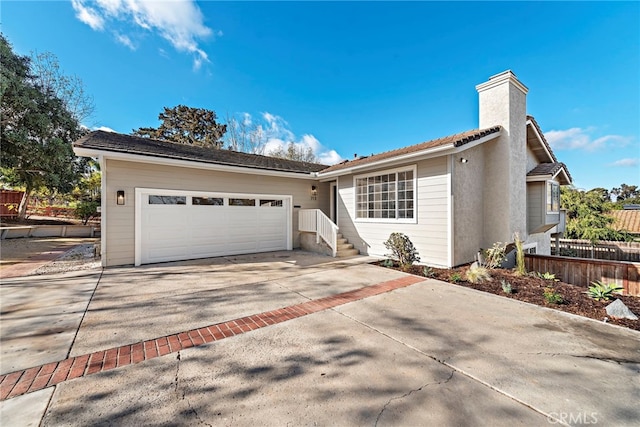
{"x":39,"y":377}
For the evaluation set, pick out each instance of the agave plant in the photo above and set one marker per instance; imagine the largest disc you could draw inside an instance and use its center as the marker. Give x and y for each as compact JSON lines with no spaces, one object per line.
{"x":603,"y":291}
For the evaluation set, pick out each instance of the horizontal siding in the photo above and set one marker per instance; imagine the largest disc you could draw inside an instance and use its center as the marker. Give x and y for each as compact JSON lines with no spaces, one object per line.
{"x":429,"y":235}
{"x":127,"y":176}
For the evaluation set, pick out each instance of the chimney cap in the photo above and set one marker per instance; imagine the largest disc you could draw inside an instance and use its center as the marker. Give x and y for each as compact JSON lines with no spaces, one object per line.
{"x":507,"y":76}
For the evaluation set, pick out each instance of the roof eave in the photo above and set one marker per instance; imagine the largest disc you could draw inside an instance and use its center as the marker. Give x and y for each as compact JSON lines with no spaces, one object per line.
{"x":167,"y":161}
{"x":441,"y":150}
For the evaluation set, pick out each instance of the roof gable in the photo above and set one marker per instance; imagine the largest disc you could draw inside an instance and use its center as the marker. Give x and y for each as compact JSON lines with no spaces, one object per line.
{"x":550,"y":171}
{"x":119,"y":143}
{"x":453,"y":141}
{"x":538,"y":143}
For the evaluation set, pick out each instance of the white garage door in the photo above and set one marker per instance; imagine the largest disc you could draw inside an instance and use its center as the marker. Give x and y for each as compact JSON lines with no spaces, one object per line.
{"x":173,"y":225}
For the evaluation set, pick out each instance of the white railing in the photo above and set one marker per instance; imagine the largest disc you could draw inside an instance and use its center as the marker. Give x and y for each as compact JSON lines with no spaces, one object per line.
{"x":315,"y":221}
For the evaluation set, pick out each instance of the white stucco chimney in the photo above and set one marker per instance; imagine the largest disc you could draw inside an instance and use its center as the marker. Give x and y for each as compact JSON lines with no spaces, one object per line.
{"x":503,"y":102}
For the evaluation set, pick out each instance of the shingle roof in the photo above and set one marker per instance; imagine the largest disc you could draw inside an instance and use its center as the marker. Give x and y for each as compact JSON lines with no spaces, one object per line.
{"x":456,"y":140}
{"x":549,"y":169}
{"x":628,"y":219}
{"x":119,"y":143}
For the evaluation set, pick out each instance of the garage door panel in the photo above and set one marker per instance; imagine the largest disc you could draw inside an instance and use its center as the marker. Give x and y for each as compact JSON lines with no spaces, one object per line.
{"x":180,"y":232}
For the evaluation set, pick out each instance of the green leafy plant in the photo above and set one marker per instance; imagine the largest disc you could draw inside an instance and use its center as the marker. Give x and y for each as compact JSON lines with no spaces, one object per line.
{"x":477,"y":273}
{"x":402,"y":250}
{"x":552,"y":296}
{"x":546,"y":276}
{"x":603,"y":291}
{"x":506,"y":287}
{"x":428,"y":272}
{"x":455,"y":277}
{"x":388,"y":263}
{"x":494,"y":256}
{"x":86,"y":210}
{"x":520,"y":267}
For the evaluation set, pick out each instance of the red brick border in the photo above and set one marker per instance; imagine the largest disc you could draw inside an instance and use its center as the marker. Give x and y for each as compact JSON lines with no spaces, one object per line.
{"x":39,"y":377}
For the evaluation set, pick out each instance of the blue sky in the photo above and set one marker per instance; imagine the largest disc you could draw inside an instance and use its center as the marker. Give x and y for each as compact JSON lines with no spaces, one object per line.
{"x":355,"y":77}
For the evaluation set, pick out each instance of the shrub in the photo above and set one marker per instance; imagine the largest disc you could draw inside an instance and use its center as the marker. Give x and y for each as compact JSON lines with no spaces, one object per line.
{"x":494,"y":256}
{"x":603,"y":291}
{"x":86,"y":210}
{"x":402,"y":250}
{"x":520,"y":268}
{"x":506,"y":287}
{"x":552,"y":296}
{"x":455,"y":277}
{"x":477,"y":273}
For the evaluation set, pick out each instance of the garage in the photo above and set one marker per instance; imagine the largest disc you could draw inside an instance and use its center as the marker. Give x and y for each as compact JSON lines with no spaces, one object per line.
{"x":176,"y":225}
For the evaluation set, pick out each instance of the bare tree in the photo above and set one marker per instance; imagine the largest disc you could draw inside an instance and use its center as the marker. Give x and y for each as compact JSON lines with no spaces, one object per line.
{"x":244,"y":135}
{"x":46,"y":74}
{"x":295,"y":152}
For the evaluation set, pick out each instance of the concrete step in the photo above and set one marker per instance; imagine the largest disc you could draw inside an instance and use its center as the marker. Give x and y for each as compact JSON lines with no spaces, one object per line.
{"x":340,"y":236}
{"x":345,"y":246}
{"x":341,"y":241}
{"x":347,"y":252}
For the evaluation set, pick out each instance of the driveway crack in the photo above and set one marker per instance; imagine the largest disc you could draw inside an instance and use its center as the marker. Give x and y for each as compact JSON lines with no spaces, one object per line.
{"x":182,"y":394}
{"x":410,"y":392}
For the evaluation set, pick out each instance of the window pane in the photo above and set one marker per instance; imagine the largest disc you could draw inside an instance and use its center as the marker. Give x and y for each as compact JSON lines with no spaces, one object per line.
{"x":242,"y":202}
{"x":271,"y":203}
{"x":209,"y":201}
{"x":167,"y":200}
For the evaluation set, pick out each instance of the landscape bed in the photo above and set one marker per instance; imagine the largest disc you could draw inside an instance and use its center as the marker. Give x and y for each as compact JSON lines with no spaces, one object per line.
{"x":530,"y":289}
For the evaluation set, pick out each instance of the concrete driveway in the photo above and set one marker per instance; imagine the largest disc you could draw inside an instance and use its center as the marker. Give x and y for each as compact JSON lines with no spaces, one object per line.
{"x":294,"y":338}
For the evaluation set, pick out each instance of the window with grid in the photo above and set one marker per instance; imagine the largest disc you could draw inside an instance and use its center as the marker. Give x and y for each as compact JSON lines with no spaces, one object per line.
{"x":389,"y":195}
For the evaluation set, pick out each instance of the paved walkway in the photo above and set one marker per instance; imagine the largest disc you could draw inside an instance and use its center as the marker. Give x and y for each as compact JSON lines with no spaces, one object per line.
{"x":21,"y":257}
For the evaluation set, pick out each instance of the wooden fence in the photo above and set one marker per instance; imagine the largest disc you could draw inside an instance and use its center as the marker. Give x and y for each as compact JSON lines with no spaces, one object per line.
{"x":9,"y":202}
{"x":613,"y":251}
{"x":581,"y":272}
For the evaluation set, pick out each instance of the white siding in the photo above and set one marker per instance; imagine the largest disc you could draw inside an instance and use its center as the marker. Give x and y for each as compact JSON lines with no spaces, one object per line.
{"x":123,"y":175}
{"x":429,"y":235}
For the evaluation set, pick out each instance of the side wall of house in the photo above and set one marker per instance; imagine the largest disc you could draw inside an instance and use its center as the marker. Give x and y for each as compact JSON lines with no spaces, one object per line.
{"x":468,"y":204}
{"x":127,"y":176}
{"x":430,"y":232}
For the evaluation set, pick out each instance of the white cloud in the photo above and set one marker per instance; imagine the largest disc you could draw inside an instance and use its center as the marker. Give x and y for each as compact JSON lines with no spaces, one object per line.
{"x":180,"y":22}
{"x":88,"y":15}
{"x":125,"y":40}
{"x":629,"y":162}
{"x":276,"y":135}
{"x":581,"y":139}
{"x":105,"y":128}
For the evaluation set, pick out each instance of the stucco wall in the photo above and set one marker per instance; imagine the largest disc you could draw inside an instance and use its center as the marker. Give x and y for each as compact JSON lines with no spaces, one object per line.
{"x":429,"y":234}
{"x":503,"y":102}
{"x":469,"y":193}
{"x":118,"y":234}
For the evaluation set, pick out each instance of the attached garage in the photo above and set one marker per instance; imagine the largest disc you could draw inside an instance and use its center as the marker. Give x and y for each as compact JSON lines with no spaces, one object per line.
{"x":178,"y":225}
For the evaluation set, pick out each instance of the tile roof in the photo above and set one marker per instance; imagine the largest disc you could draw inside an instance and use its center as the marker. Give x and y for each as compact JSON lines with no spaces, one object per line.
{"x":456,"y":140}
{"x":119,"y":143}
{"x":544,"y":140}
{"x":627,"y":219}
{"x":549,"y":169}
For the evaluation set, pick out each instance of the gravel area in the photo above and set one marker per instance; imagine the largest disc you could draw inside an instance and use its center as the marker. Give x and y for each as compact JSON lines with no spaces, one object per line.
{"x":81,"y":257}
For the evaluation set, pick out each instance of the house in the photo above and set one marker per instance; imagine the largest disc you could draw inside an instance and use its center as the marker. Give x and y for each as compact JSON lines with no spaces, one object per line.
{"x":451,"y":196}
{"x":627,"y":219}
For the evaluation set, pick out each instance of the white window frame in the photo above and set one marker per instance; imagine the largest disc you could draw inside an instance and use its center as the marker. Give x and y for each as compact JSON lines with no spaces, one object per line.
{"x":396,"y":220}
{"x":548,"y":195}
